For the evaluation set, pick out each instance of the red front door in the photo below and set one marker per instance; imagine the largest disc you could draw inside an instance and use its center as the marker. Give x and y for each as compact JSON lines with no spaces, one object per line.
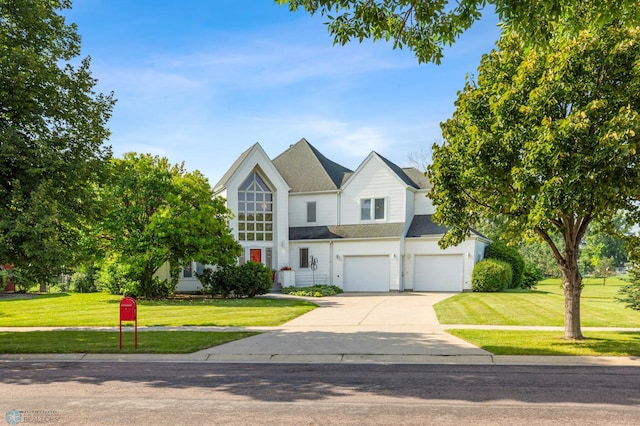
{"x":255,"y":255}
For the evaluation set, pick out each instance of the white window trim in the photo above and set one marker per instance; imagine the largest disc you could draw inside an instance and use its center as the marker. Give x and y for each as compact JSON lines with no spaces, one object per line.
{"x":372,"y":212}
{"x":315,"y":211}
{"x":300,"y":257}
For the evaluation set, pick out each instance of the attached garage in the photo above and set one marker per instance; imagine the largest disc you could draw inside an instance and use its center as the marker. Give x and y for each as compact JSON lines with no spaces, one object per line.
{"x":366,"y":273}
{"x":439,"y":273}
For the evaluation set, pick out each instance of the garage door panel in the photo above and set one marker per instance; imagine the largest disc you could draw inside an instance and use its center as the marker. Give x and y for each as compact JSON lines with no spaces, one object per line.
{"x":366,"y":273}
{"x":439,"y":273}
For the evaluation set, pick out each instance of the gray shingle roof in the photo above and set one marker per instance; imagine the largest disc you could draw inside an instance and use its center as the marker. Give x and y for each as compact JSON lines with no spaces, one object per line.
{"x":305,"y":169}
{"x":420,"y":179}
{"x":423,"y":225}
{"x":378,"y":230}
{"x":398,"y":171}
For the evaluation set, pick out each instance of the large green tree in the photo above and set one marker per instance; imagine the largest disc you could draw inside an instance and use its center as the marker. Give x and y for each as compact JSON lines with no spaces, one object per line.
{"x":427,"y":26}
{"x":161,"y":213}
{"x":52,"y":129}
{"x":546,"y":141}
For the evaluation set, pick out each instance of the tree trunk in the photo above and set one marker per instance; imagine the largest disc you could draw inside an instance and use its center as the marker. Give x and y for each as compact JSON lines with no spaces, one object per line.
{"x":572,"y":286}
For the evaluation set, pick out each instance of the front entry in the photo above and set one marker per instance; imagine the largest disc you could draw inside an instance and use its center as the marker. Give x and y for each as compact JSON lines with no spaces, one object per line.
{"x":255,"y":255}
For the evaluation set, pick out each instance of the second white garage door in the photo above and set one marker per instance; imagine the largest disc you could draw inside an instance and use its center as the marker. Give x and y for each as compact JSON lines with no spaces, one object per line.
{"x":439,"y":273}
{"x":366,"y":273}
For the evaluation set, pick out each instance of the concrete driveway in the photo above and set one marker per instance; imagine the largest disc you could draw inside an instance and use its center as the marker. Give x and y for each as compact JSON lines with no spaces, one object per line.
{"x":356,"y":327}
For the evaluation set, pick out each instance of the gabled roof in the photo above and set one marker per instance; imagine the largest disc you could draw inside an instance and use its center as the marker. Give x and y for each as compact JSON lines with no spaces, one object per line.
{"x":225,"y":178}
{"x":305,"y":169}
{"x":333,"y":232}
{"x":423,"y":226}
{"x":398,"y":171}
{"x":420,"y":179}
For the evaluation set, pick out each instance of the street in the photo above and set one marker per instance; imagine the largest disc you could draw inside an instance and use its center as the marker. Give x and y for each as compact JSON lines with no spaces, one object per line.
{"x":105,"y":393}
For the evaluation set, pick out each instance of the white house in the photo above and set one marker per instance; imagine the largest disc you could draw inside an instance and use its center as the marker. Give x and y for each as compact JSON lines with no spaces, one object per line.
{"x":364,"y":230}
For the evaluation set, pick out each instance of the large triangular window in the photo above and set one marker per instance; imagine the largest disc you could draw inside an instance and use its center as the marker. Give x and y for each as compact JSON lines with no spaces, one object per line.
{"x":255,"y":210}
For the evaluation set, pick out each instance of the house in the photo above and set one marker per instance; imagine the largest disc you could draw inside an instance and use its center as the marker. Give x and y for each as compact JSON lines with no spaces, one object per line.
{"x":368,"y":230}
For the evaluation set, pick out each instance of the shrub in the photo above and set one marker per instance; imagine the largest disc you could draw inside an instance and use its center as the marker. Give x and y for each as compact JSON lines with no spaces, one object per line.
{"x":491,"y":275}
{"x":247,"y":280}
{"x":83,"y":282}
{"x":20,"y":280}
{"x":253,"y":279}
{"x":629,"y":294}
{"x":500,"y":251}
{"x":319,"y":290}
{"x":532,"y":275}
{"x":114,"y":277}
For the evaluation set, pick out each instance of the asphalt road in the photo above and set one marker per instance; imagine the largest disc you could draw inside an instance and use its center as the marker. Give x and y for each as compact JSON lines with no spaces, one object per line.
{"x":160,"y":393}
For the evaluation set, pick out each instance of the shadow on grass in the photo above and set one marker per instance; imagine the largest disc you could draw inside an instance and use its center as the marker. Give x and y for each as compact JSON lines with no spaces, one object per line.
{"x":21,"y":297}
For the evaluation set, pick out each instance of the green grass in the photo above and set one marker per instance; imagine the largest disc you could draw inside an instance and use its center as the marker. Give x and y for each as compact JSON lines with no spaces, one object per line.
{"x":507,"y":342}
{"x":543,"y":306}
{"x":101,"y":309}
{"x":159,"y":342}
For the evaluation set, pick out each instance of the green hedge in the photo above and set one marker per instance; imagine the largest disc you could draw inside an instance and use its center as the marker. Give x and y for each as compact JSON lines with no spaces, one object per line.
{"x":247,"y":280}
{"x":319,"y":290}
{"x":500,"y":251}
{"x":491,"y":275}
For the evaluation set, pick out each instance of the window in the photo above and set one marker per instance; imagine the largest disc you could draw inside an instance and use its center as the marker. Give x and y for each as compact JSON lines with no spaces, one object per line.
{"x":187,"y":272}
{"x":311,"y":211}
{"x":367,"y":212}
{"x":304,"y":258}
{"x":255,"y":210}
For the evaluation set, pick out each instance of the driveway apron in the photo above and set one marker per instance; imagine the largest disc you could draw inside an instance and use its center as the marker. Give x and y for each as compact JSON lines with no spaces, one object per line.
{"x":356,"y":327}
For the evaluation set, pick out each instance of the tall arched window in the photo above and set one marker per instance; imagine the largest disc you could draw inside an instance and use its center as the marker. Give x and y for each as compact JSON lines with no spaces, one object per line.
{"x":255,"y":210}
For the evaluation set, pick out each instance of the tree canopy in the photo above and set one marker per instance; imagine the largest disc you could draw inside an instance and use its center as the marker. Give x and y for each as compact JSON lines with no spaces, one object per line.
{"x":427,"y":26}
{"x":52,"y":129}
{"x":161,"y":213}
{"x":545,"y":141}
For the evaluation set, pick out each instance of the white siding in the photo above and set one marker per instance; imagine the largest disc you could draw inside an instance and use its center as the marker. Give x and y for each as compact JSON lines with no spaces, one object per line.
{"x":326,"y":209}
{"x":258,"y":158}
{"x":373,"y":180}
{"x":423,"y":204}
{"x":305,"y":276}
{"x":410,"y":207}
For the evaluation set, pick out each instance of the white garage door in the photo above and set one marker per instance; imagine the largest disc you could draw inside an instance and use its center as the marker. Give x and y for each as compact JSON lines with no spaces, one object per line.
{"x":366,"y":273}
{"x":438,"y":273}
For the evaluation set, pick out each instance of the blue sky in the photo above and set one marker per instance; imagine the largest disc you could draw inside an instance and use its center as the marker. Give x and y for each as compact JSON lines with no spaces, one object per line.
{"x":201,"y":81}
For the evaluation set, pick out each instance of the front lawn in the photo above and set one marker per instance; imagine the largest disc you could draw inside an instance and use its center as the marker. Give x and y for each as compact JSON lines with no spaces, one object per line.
{"x":508,"y":342}
{"x":101,"y":309}
{"x":542,"y":306}
{"x":104,"y":342}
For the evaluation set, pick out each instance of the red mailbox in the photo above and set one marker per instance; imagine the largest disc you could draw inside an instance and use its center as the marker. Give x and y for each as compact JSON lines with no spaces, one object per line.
{"x":128,"y":312}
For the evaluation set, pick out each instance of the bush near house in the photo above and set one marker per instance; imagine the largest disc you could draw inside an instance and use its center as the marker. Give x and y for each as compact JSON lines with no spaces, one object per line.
{"x":247,"y":280}
{"x":500,"y":251}
{"x":491,"y":275}
{"x":319,"y":290}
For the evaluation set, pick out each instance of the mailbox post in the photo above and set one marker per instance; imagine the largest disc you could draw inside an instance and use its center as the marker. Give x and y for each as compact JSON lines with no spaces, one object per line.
{"x":128,"y":312}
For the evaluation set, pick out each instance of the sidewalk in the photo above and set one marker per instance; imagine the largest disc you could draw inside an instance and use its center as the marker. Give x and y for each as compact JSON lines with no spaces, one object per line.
{"x":395,"y":328}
